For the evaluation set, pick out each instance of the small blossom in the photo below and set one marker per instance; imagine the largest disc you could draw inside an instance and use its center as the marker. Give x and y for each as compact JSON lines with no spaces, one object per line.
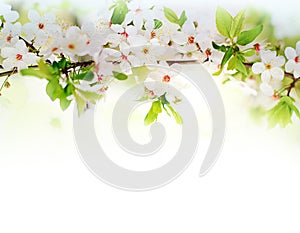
{"x":41,"y":27}
{"x":293,"y":56}
{"x":17,"y":56}
{"x":9,"y":15}
{"x":270,"y":70}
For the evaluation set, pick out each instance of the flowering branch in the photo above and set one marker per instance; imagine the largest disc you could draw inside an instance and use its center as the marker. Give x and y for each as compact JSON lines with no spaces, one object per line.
{"x":80,"y":62}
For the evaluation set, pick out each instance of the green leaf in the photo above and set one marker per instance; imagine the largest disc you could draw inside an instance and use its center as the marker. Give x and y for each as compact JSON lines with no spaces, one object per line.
{"x":249,"y":53}
{"x":221,"y":48}
{"x":246,"y":37}
{"x":90,"y":96}
{"x":54,"y":89}
{"x":175,"y":114}
{"x":120,"y":76}
{"x":282,"y":113}
{"x":81,"y":104}
{"x":232,"y":63}
{"x":157,"y":24}
{"x":226,"y":57}
{"x":44,"y":71}
{"x":171,"y":15}
{"x":156,"y":107}
{"x":153,"y":113}
{"x":182,"y":19}
{"x":119,"y":13}
{"x":224,"y":22}
{"x":69,"y":89}
{"x":240,"y":65}
{"x":86,"y":76}
{"x":237,"y":24}
{"x":297,"y":88}
{"x":65,"y":103}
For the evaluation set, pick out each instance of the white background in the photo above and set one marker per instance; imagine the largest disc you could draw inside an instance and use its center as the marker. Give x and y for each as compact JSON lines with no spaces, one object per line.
{"x":44,"y":186}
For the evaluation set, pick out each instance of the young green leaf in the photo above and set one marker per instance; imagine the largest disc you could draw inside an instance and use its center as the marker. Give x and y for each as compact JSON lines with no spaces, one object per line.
{"x":152,"y":115}
{"x":81,"y":104}
{"x":119,"y":13}
{"x":157,"y":24}
{"x":246,"y":37}
{"x":182,"y":19}
{"x":224,"y":22}
{"x":176,"y":115}
{"x":54,"y":89}
{"x":120,"y":76}
{"x":171,"y":15}
{"x":237,"y":24}
{"x":282,"y":113}
{"x":221,"y":48}
{"x":297,"y":89}
{"x":249,"y":53}
{"x":64,"y":103}
{"x":86,"y":76}
{"x":90,"y":96}
{"x":226,"y":57}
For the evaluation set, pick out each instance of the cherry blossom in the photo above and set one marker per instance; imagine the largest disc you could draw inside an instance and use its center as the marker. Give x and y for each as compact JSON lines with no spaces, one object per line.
{"x":159,"y":82}
{"x":293,"y":56}
{"x":8,"y":14}
{"x":139,"y":12}
{"x":41,"y":27}
{"x":270,"y":70}
{"x":10,"y":33}
{"x":17,"y":56}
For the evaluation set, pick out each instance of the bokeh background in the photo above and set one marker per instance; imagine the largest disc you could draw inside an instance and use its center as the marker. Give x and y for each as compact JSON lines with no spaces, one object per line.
{"x":45,"y":187}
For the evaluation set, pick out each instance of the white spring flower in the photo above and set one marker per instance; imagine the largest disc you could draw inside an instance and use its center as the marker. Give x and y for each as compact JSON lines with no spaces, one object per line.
{"x":10,"y":33}
{"x":17,"y":56}
{"x":293,"y":56}
{"x":139,"y":12}
{"x":41,"y":27}
{"x":270,"y":70}
{"x":74,"y":43}
{"x":160,"y":82}
{"x":9,"y":15}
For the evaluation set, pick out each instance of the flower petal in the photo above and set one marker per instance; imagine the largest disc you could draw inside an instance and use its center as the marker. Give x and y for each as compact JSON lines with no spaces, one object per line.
{"x":267,"y":89}
{"x":266,"y":76}
{"x":290,"y":53}
{"x":278,"y":61}
{"x":33,"y":16}
{"x":277,"y":73}
{"x":267,"y":56}
{"x":290,"y":66}
{"x":258,"y":68}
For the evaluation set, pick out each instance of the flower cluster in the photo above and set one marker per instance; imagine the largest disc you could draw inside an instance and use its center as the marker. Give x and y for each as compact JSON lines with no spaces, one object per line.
{"x":79,"y":62}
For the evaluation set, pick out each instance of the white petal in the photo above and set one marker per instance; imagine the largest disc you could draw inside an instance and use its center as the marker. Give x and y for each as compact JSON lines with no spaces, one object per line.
{"x":267,"y":56}
{"x":266,"y":89}
{"x":8,"y":52}
{"x":11,"y":16}
{"x":180,"y":38}
{"x":290,"y":53}
{"x":188,"y":27}
{"x":298,"y":48}
{"x":137,"y":40}
{"x":138,"y":22}
{"x":49,"y":18}
{"x":266,"y":76}
{"x":258,"y":68}
{"x":117,"y":28}
{"x":131,"y":30}
{"x":290,"y":66}
{"x":277,"y":73}
{"x":33,"y":16}
{"x":278,"y":61}
{"x":149,"y":25}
